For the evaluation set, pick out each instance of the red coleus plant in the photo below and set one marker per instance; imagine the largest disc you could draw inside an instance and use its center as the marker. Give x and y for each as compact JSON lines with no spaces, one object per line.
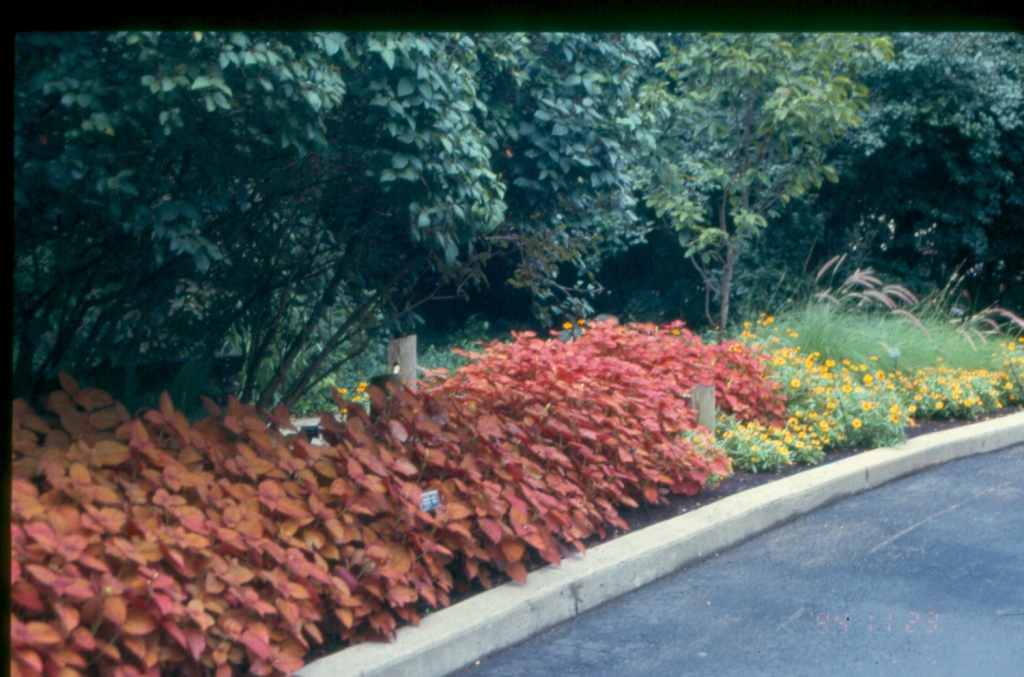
{"x":154,"y":545}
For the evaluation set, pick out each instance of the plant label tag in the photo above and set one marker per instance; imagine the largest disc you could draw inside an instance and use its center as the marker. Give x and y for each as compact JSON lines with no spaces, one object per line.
{"x":430,"y":500}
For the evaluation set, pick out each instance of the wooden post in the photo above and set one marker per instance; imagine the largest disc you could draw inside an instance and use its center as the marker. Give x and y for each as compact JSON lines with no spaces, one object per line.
{"x":702,"y":401}
{"x":402,"y":358}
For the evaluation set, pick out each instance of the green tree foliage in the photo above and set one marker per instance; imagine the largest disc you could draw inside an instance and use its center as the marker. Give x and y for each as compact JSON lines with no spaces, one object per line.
{"x":570,"y":140}
{"x":935,"y":174}
{"x":178,"y":194}
{"x":144,"y":163}
{"x":744,"y":121}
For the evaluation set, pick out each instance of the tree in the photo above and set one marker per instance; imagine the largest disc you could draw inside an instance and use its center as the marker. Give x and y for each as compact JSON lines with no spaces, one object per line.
{"x":744,"y":121}
{"x":291,"y":195}
{"x":141,"y":159}
{"x":933,"y":179}
{"x":562,"y":108}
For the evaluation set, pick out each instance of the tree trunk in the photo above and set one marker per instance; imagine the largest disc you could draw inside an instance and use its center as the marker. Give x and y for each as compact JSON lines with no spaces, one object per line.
{"x":724,"y":288}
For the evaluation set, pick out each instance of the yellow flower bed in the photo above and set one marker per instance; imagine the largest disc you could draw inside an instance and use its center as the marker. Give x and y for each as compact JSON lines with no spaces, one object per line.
{"x":833,"y":405}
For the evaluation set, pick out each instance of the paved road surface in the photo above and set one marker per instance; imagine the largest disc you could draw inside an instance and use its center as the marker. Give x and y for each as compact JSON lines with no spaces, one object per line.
{"x":923,"y":576}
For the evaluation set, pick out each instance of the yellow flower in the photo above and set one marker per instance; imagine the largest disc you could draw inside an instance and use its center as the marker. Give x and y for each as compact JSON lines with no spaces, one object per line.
{"x":675,"y":332}
{"x":342,"y":391}
{"x":940,"y":404}
{"x":857,"y":423}
{"x":795,"y":383}
{"x":866,"y":406}
{"x":567,"y":325}
{"x":868,"y":378}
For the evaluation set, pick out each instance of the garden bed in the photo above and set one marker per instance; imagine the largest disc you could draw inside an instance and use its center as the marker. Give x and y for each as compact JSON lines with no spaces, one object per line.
{"x":645,"y":516}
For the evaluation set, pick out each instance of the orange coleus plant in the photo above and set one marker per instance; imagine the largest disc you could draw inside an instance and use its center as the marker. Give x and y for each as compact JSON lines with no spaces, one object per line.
{"x":580,"y":428}
{"x":151,"y":545}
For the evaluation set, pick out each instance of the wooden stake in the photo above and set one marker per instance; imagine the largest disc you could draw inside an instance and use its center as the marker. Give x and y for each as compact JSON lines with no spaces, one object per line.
{"x":702,"y":401}
{"x":402,"y":358}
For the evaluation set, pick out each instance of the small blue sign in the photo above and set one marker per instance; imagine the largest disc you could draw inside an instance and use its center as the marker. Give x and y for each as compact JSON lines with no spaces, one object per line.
{"x":430,"y":500}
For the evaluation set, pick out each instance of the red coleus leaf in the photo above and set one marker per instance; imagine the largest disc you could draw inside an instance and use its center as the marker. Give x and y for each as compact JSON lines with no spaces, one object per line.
{"x":109,"y":453}
{"x":369,"y":458}
{"x":289,"y":611}
{"x":489,"y":425}
{"x":166,"y":605}
{"x":256,"y":638}
{"x":83,"y":639}
{"x":68,"y":384}
{"x":138,"y":623}
{"x":520,"y":521}
{"x":516,"y":571}
{"x":346,"y":576}
{"x":688,"y":486}
{"x":103,"y":520}
{"x":721,"y":465}
{"x":401,"y":595}
{"x":25,"y":503}
{"x":393,"y":561}
{"x":491,"y":528}
{"x":176,"y":632}
{"x":296,"y":562}
{"x":28,"y":658}
{"x":34,"y":634}
{"x":43,"y":535}
{"x":24,"y":594}
{"x":271,"y":493}
{"x":197,"y":612}
{"x":398,"y":431}
{"x":196,"y":642}
{"x":115,"y":610}
{"x":513,"y":550}
{"x":73,"y":586}
{"x":283,"y":584}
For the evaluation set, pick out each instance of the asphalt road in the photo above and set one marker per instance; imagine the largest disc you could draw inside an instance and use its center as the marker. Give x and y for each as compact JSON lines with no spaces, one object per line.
{"x":922,"y":576}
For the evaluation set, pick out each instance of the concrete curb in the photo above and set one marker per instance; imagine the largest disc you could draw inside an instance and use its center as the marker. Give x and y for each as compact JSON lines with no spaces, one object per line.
{"x":497,"y":619}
